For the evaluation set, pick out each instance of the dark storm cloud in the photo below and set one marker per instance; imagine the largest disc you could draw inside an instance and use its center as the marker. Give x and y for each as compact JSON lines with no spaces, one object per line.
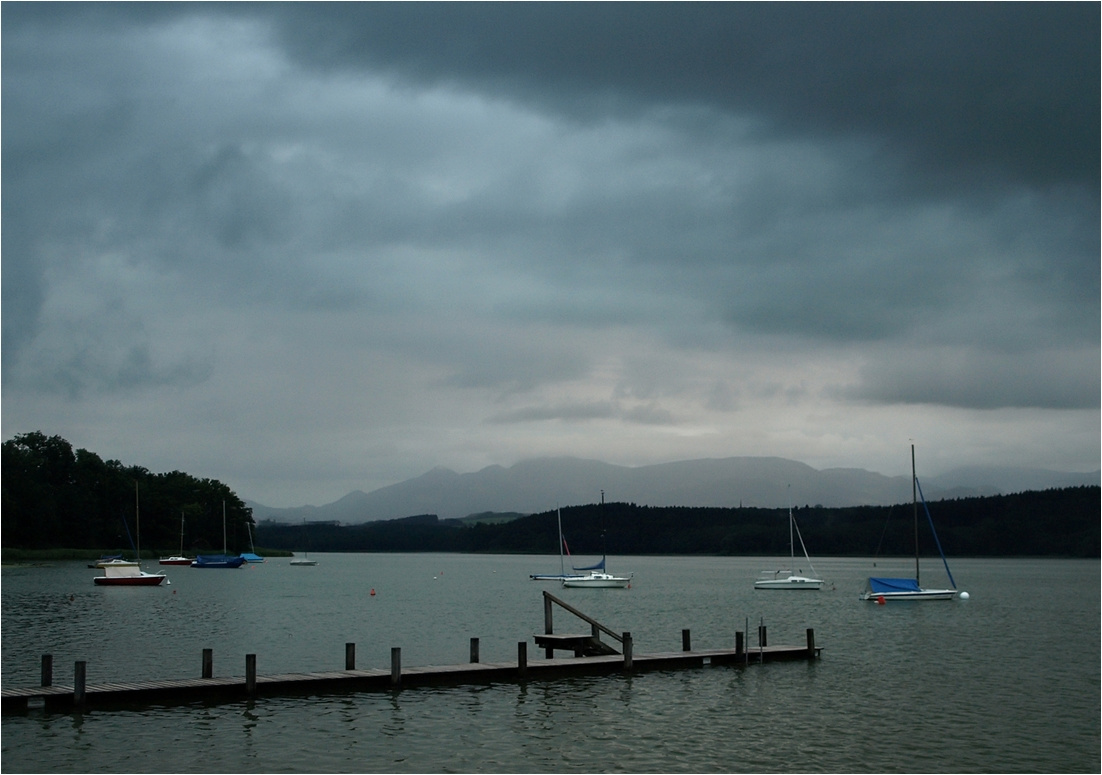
{"x":1010,"y":90}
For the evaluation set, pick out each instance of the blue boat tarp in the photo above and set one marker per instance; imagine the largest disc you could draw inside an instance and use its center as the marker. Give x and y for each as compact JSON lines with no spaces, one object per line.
{"x":599,"y":566}
{"x":218,"y":561}
{"x":893,"y":585}
{"x":251,"y":557}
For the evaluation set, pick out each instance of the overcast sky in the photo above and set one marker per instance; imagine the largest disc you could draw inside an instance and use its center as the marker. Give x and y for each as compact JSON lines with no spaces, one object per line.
{"x":306,"y":249}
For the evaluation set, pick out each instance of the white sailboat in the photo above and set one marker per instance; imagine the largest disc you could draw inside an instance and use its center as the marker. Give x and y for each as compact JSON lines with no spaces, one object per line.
{"x":305,"y":560}
{"x":786,"y":579}
{"x":882,"y":590}
{"x":129,"y":574}
{"x":562,"y":574}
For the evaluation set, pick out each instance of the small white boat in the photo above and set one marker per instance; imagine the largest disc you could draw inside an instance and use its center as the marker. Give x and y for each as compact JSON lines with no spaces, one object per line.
{"x":178,"y":559}
{"x":116,"y":562}
{"x":126,"y":574}
{"x":599,"y":579}
{"x":786,"y":579}
{"x":304,"y":560}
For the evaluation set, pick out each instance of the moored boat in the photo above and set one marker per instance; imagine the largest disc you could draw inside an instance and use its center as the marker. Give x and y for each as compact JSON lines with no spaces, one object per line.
{"x":600,"y":580}
{"x":786,"y":579}
{"x":127,"y":575}
{"x":884,"y":589}
{"x":178,"y":559}
{"x":219,"y":560}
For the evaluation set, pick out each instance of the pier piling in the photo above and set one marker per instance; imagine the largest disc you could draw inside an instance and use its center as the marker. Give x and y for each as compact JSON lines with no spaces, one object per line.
{"x":208,"y":663}
{"x":474,"y":650}
{"x":250,"y":675}
{"x":627,"y":644}
{"x":522,"y":657}
{"x":349,"y":656}
{"x":810,"y":643}
{"x":79,"y":674}
{"x":740,"y":644}
{"x":685,"y":641}
{"x":395,"y":666}
{"x":47,"y":669}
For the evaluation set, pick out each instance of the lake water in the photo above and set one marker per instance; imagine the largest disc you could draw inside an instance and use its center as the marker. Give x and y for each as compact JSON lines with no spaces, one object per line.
{"x":1007,"y":681}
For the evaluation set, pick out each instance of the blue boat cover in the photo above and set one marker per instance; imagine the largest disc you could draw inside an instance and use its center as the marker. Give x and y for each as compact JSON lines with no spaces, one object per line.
{"x":893,"y":585}
{"x":599,"y":566}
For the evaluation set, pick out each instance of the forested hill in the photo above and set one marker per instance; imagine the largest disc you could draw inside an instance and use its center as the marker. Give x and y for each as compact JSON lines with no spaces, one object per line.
{"x":58,"y":497}
{"x":1051,"y":523}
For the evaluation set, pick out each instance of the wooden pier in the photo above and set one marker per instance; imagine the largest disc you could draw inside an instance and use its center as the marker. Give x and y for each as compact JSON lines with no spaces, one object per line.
{"x":592,"y":657}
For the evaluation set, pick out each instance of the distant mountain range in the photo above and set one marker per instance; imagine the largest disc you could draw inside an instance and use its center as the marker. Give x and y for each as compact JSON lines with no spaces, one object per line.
{"x":541,"y":484}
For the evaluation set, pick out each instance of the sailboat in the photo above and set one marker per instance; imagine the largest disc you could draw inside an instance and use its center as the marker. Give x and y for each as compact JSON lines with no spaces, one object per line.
{"x":120,"y":573}
{"x":786,"y":579}
{"x":562,"y":574}
{"x":222,"y":560}
{"x":882,"y":590}
{"x":178,"y":559}
{"x":251,"y":556}
{"x":305,"y":559}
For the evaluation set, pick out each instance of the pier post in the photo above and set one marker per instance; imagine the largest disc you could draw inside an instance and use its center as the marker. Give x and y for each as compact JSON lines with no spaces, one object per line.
{"x":47,"y":669}
{"x":547,"y":629}
{"x":80,"y":672}
{"x":522,"y":657}
{"x":762,"y":639}
{"x":740,"y":645}
{"x":349,"y":656}
{"x":627,"y":650}
{"x":250,"y":675}
{"x":208,"y":663}
{"x":395,"y":666}
{"x":474,"y":650}
{"x":810,"y":643}
{"x":685,"y":642}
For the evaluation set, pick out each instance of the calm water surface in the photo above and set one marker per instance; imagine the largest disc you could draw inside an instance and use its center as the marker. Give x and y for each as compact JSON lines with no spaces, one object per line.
{"x":1007,"y":681}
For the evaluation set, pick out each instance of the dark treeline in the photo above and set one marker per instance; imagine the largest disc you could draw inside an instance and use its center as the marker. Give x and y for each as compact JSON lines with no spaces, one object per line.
{"x":1052,"y":523}
{"x":58,"y":497}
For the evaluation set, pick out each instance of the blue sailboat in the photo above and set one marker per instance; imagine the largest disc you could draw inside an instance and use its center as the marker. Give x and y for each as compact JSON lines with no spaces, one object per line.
{"x":222,"y":560}
{"x":882,"y":589}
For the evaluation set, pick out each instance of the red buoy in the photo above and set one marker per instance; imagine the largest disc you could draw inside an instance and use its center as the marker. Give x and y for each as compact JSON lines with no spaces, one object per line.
{"x":373,"y":591}
{"x":880,"y":600}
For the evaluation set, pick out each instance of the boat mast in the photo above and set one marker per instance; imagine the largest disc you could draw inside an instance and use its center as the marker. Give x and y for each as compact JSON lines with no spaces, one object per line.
{"x":562,"y":562}
{"x":137,"y":524}
{"x":791,"y":537}
{"x":914,"y":501}
{"x":224,"y":529}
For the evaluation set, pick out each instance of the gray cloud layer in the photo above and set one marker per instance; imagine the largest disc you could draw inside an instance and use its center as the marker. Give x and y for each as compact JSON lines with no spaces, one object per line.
{"x":432,"y":224}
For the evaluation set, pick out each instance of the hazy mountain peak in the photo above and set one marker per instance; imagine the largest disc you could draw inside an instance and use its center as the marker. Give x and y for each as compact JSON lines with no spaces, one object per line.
{"x":539,"y":484}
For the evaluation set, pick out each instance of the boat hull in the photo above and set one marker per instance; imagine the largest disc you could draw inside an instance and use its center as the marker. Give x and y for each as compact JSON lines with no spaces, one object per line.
{"x":232,"y":562}
{"x":922,"y":594}
{"x":304,"y":562}
{"x":144,"y":580}
{"x":176,"y":561}
{"x":599,"y":581}
{"x":792,"y":582}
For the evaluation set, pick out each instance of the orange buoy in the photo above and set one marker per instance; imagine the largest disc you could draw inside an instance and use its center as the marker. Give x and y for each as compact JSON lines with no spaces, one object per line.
{"x":373,"y":591}
{"x":880,"y":600}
